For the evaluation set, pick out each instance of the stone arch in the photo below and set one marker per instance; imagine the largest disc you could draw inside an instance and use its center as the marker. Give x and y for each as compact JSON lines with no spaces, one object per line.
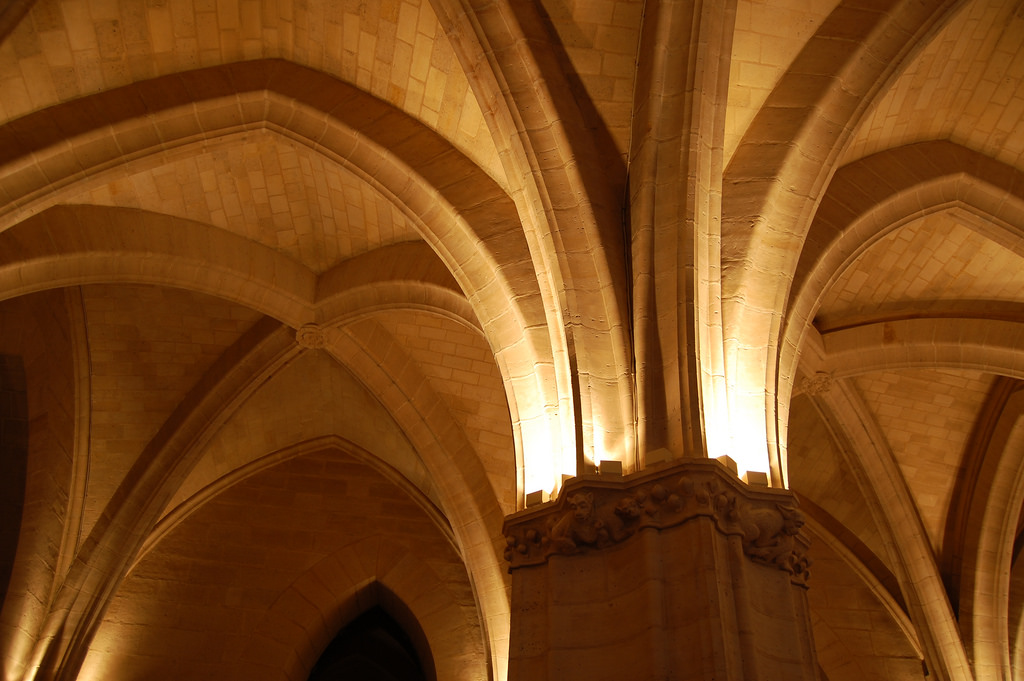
{"x":402,"y":474}
{"x":938,"y":342}
{"x":91,"y":244}
{"x":333,"y":615}
{"x":463,"y":214}
{"x":368,"y":572}
{"x":78,"y":604}
{"x":990,"y":530}
{"x":160,"y":474}
{"x":869,"y":198}
{"x":42,"y":331}
{"x":875,"y":194}
{"x":407,"y":275}
{"x":875,"y":471}
{"x":88,"y":244}
{"x":435,"y":434}
{"x":571,"y":213}
{"x":776,"y":177}
{"x":340,"y":544}
{"x":280,"y":289}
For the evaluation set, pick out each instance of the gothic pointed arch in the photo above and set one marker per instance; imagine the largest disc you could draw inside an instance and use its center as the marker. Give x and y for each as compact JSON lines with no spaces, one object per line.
{"x":557,"y":161}
{"x":462,"y":213}
{"x":776,"y":176}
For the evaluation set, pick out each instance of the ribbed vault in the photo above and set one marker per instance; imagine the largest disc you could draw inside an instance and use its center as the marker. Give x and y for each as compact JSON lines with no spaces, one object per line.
{"x":311,"y":296}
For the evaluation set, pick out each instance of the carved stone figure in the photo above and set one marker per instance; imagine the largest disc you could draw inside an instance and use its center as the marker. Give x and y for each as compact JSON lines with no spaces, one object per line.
{"x":588,"y":519}
{"x":768,"y":533}
{"x":628,"y":508}
{"x":580,"y":526}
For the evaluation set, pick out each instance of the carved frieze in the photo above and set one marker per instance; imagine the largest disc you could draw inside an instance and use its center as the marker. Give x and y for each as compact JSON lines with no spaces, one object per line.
{"x":592,"y":514}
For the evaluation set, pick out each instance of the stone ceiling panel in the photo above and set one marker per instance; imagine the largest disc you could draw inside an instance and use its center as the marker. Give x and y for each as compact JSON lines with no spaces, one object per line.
{"x":458,"y":363}
{"x":768,"y":36}
{"x":395,"y":49}
{"x":932,"y":262}
{"x":927,"y":416}
{"x":267,"y":188}
{"x":818,"y":472}
{"x":966,"y":85}
{"x":148,"y":347}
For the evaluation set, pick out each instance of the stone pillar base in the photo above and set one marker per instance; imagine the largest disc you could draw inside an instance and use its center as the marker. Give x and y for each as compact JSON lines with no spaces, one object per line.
{"x":675,"y":574}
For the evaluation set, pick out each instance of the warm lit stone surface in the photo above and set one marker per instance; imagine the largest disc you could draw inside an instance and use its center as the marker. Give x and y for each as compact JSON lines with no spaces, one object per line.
{"x":274,"y":565}
{"x":148,"y":346}
{"x":37,"y":329}
{"x":271,"y":190}
{"x":820,"y":473}
{"x":456,"y":361}
{"x":965,"y":85}
{"x":632,"y":566}
{"x":333,"y":405}
{"x":601,"y":39}
{"x":767,"y":38}
{"x":395,"y":50}
{"x":855,"y":637}
{"x":939,"y":262}
{"x":313,"y":294}
{"x":927,"y":437}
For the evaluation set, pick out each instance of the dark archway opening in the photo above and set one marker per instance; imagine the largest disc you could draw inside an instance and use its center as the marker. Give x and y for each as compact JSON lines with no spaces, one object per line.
{"x":13,"y":461}
{"x":373,"y":647}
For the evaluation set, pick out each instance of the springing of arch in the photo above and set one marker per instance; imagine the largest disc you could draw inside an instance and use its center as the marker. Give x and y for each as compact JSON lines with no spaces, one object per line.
{"x":776,"y":177}
{"x":678,"y":137}
{"x":866,"y":200}
{"x":461,"y":212}
{"x":480,"y":554}
{"x":571,"y":211}
{"x":889,"y":501}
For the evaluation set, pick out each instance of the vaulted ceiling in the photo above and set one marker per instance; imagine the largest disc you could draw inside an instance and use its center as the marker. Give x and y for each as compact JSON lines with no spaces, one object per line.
{"x":300,"y":300}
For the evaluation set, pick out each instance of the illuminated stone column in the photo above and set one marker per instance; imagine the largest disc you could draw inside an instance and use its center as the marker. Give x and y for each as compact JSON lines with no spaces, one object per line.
{"x":673,"y":574}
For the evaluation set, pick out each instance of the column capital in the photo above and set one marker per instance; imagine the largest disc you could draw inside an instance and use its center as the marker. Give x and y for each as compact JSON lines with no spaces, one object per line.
{"x":593,"y":512}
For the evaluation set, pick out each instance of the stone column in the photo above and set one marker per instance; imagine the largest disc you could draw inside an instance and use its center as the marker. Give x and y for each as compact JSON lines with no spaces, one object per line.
{"x":677,"y":573}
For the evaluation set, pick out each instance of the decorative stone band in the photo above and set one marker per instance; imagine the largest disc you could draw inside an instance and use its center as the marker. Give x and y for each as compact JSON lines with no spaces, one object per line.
{"x":593,"y":512}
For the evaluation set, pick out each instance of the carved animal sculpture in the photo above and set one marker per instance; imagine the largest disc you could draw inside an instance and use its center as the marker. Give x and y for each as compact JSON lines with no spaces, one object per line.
{"x":768,"y":532}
